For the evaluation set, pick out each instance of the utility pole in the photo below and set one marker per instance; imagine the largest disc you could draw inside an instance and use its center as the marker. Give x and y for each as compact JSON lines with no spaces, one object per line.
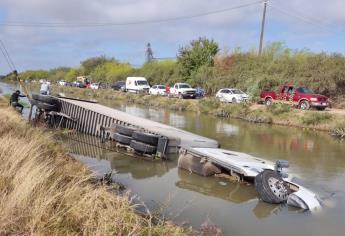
{"x":149,"y":53}
{"x":262,"y":27}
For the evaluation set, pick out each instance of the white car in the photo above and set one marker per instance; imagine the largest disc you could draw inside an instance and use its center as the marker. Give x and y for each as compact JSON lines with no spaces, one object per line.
{"x":94,"y":86}
{"x":157,"y":90}
{"x":62,"y":83}
{"x":231,"y":95}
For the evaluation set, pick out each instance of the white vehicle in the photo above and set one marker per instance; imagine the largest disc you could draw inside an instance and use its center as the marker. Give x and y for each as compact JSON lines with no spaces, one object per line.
{"x":137,"y":85}
{"x":62,"y":82}
{"x":183,"y":90}
{"x":94,"y":86}
{"x":272,"y":184}
{"x":157,"y":90}
{"x":231,"y":95}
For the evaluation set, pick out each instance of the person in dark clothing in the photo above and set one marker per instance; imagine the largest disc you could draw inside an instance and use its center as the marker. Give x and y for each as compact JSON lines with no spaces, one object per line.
{"x":14,"y":100}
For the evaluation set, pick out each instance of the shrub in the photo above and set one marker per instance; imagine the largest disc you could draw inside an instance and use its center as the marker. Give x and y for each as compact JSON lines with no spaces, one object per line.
{"x":315,"y":118}
{"x":279,"y":108}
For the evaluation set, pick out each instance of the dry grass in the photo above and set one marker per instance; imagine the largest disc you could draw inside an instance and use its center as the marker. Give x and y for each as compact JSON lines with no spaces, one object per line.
{"x":45,"y":192}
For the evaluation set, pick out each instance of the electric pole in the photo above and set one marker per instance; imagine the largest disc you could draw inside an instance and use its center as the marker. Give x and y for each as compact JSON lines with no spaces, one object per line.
{"x":262,"y":27}
{"x":149,"y":53}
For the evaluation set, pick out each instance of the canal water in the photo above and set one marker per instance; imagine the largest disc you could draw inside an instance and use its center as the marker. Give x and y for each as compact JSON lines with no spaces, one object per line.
{"x":317,"y":159}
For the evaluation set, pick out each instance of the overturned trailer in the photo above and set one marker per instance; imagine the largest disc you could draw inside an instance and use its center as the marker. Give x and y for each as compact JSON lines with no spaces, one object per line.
{"x":196,"y":154}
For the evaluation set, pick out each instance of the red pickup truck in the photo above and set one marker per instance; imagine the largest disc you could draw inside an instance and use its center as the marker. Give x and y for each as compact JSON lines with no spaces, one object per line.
{"x":301,"y":96}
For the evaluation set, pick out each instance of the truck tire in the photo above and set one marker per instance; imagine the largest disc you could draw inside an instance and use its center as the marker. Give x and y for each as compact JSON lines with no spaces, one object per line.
{"x":123,"y":139}
{"x":233,"y":100}
{"x":45,"y":98}
{"x":150,"y":139}
{"x":143,"y":147}
{"x":125,"y":130}
{"x":268,"y":102}
{"x":271,"y":187}
{"x":304,"y":105}
{"x":180,"y":96}
{"x":44,"y":106}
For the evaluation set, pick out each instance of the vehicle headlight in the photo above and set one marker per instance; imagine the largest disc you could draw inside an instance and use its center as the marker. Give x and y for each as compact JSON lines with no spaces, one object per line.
{"x":313,"y":99}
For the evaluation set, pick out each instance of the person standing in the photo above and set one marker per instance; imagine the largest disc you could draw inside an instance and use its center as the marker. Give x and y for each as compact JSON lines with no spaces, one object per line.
{"x":45,"y":88}
{"x":14,"y":100}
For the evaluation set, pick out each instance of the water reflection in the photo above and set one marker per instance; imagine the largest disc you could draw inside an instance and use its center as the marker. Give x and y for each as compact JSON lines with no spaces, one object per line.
{"x":217,"y":187}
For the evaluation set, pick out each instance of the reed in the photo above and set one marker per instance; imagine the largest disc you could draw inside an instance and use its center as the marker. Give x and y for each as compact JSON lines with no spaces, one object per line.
{"x":43,"y":191}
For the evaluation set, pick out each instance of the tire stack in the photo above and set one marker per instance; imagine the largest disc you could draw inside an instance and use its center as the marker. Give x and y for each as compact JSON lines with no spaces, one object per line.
{"x":45,"y":102}
{"x":142,"y":143}
{"x":123,"y":134}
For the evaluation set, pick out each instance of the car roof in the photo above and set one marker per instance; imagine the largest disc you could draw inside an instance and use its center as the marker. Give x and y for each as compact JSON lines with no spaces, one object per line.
{"x":229,"y":88}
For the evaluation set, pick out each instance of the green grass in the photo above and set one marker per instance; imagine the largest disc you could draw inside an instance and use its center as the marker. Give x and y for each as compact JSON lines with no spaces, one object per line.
{"x":316,"y":118}
{"x":278,"y":108}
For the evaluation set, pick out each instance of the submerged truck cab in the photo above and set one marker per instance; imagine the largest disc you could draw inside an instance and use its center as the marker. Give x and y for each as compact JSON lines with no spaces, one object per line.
{"x":137,"y":85}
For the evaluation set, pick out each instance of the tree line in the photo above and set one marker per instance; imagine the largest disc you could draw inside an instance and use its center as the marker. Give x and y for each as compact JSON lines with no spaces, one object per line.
{"x":201,"y":63}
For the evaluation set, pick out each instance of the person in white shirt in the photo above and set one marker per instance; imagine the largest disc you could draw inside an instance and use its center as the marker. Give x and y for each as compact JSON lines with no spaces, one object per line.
{"x":45,"y":88}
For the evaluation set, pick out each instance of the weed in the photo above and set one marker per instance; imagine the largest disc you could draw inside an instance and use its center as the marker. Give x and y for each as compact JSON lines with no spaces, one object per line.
{"x":45,"y":192}
{"x":279,"y":108}
{"x":315,"y":118}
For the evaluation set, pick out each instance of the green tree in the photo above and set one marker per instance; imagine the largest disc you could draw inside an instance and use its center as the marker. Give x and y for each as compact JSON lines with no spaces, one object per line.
{"x":90,"y":64}
{"x":200,"y":52}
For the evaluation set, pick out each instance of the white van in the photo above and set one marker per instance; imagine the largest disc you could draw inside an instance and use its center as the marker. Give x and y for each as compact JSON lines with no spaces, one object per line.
{"x":137,"y":85}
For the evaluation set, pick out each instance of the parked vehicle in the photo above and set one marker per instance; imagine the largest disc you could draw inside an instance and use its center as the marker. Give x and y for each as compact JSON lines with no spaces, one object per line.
{"x":119,"y":85}
{"x":85,"y":79}
{"x":232,"y":95}
{"x":94,"y":86}
{"x":157,"y":90}
{"x":137,"y":85}
{"x":62,"y":83}
{"x":79,"y":84}
{"x":301,"y":96}
{"x":183,"y":90}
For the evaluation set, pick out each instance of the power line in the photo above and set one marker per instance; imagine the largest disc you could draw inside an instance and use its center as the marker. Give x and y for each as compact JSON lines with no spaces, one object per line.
{"x":302,"y":18}
{"x":109,"y":24}
{"x":6,"y":56}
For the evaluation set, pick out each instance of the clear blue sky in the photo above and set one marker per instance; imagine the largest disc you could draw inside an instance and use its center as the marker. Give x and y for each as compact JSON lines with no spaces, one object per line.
{"x":313,"y":24}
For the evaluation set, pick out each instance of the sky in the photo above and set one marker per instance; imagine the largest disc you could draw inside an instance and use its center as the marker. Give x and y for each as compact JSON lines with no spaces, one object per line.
{"x":44,"y":34}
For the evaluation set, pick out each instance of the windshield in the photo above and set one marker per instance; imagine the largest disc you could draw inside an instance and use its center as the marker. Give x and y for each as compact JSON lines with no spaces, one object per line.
{"x":161,"y":87}
{"x":304,"y":90}
{"x":184,"y":86}
{"x":142,"y":82}
{"x":237,"y":91}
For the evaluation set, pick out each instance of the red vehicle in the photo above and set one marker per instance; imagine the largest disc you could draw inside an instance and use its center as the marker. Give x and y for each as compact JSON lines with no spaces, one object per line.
{"x":301,"y":96}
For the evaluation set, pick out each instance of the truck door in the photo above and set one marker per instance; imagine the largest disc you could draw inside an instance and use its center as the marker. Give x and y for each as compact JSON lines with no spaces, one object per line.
{"x":290,"y":93}
{"x":284,"y":93}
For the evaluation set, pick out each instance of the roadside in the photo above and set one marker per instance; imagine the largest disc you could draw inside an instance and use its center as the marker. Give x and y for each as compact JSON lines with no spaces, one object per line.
{"x":278,"y":113}
{"x":45,"y":191}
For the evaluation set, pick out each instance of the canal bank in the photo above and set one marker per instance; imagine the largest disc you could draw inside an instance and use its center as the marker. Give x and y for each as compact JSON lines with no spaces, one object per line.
{"x":44,"y":191}
{"x":277,"y":114}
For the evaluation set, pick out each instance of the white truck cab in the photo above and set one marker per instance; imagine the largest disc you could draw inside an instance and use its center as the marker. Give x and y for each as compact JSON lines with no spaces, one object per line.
{"x":137,"y":85}
{"x":183,"y":90}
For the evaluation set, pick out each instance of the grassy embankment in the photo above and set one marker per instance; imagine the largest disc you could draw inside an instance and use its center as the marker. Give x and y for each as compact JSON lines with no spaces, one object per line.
{"x":43,"y":191}
{"x":280,"y":114}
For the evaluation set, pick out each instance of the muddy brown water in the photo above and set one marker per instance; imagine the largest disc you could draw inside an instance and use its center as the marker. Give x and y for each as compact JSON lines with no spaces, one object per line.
{"x":315,"y":157}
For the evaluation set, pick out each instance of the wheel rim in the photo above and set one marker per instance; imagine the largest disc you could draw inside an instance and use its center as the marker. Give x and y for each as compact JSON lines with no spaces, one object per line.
{"x":234,"y":100}
{"x":268,"y":102}
{"x":303,"y":106}
{"x":278,"y":188}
